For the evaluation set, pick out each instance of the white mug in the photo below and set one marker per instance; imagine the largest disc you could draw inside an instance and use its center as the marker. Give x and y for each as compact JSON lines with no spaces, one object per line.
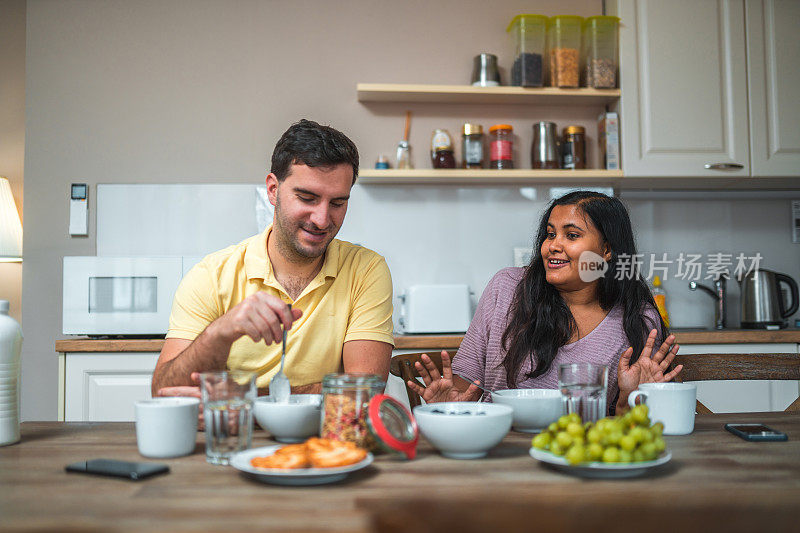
{"x":166,"y":427}
{"x":673,"y":404}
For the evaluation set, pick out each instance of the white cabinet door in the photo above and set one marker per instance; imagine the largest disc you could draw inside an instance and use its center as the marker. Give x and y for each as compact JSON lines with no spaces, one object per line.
{"x":684,"y":87}
{"x":773,"y":49}
{"x":745,"y":396}
{"x":102,"y":387}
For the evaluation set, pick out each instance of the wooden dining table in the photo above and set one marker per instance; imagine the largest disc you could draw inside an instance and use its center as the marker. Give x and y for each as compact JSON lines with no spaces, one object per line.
{"x":714,"y":482}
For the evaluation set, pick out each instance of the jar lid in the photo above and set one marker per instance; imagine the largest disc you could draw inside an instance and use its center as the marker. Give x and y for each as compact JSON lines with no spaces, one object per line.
{"x":472,"y":129}
{"x":393,"y":426}
{"x":496,"y":127}
{"x":569,"y":130}
{"x":565,"y":20}
{"x":527,"y":20}
{"x":601,"y":20}
{"x":353,"y":379}
{"x":441,"y":141}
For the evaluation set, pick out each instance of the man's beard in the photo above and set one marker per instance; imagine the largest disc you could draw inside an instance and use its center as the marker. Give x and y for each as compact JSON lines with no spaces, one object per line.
{"x":288,"y":243}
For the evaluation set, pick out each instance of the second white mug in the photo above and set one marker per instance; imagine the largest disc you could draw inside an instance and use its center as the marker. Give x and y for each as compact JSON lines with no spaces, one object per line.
{"x":673,"y":404}
{"x":166,"y":427}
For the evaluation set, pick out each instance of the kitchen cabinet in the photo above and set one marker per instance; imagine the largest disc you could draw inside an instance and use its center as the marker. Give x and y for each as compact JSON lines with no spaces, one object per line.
{"x":773,"y":86}
{"x":707,"y":92}
{"x":103,"y":387}
{"x":684,"y":88}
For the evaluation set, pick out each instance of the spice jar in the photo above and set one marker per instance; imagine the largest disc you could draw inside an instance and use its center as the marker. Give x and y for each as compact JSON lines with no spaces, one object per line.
{"x":530,"y":37}
{"x":573,"y":147}
{"x":501,"y":147}
{"x":600,"y":36}
{"x":355,"y":410}
{"x":442,"y":150}
{"x":472,"y":146}
{"x":564,"y":38}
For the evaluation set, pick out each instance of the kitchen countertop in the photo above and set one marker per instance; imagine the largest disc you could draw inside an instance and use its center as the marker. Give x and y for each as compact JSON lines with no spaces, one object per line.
{"x":451,"y":342}
{"x":714,"y":481}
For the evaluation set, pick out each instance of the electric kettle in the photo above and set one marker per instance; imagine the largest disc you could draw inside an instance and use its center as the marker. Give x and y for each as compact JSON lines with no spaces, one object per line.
{"x":762,"y":304}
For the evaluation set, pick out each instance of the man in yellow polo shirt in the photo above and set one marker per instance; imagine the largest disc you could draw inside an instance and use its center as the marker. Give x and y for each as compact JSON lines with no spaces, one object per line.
{"x":230,"y":309}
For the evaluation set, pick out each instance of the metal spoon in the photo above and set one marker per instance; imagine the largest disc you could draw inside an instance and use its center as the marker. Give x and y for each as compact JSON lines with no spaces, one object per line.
{"x":485,"y":391}
{"x":279,"y":387}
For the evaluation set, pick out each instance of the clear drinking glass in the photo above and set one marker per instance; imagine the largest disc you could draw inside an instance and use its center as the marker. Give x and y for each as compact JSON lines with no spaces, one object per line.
{"x":228,"y":413}
{"x":583,"y":389}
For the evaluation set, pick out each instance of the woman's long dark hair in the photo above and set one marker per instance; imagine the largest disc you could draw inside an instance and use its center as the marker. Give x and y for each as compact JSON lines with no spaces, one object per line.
{"x":539,"y":320}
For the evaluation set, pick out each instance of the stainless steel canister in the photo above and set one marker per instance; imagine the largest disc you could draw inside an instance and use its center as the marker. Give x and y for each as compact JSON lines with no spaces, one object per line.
{"x":484,"y":71}
{"x":544,"y":151}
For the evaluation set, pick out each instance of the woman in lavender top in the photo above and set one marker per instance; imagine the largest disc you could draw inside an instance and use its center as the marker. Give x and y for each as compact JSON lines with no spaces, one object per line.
{"x":558,"y":310}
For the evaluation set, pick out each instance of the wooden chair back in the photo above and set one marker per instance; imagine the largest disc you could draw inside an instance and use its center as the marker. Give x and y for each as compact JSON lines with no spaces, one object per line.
{"x":737,"y":366}
{"x":403,"y":367}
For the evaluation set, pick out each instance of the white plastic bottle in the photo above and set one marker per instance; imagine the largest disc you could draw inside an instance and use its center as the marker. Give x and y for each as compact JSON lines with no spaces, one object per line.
{"x":10,"y":346}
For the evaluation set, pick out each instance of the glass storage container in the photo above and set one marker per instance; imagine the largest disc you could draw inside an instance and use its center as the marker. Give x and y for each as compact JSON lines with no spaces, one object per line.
{"x":345,"y":402}
{"x":530,"y":38}
{"x":600,"y":57}
{"x":472,"y":146}
{"x":442,"y":150}
{"x":573,"y":148}
{"x":564,"y":45}
{"x":501,"y":147}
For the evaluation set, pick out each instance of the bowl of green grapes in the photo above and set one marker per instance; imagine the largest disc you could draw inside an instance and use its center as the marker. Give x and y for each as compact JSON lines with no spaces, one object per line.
{"x":620,"y":446}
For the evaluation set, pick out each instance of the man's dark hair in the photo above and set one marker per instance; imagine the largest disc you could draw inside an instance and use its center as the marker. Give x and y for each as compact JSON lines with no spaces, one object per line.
{"x":314,"y":145}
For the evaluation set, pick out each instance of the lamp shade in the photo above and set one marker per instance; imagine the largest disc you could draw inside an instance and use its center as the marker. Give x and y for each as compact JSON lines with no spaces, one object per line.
{"x":10,"y":226}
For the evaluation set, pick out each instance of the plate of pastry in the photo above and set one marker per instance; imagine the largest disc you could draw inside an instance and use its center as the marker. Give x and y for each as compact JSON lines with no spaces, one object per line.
{"x":314,"y":462}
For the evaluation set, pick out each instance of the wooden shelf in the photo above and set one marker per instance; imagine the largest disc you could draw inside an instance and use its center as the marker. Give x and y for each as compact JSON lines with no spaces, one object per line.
{"x":467,"y":94}
{"x":428,"y":176}
{"x":529,"y":177}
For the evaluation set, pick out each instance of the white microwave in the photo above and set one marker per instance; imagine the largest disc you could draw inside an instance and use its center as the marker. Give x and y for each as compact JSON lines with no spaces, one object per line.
{"x":120,"y":295}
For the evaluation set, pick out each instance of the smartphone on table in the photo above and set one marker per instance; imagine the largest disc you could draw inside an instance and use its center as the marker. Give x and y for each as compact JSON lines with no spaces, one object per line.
{"x":115,"y":468}
{"x":756,"y":432}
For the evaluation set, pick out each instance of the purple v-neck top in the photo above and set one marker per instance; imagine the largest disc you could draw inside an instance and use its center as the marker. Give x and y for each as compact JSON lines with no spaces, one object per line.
{"x":480,"y":355}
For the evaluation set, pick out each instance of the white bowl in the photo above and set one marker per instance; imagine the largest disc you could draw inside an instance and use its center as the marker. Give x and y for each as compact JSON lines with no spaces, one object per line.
{"x":463,"y":430}
{"x":294,"y":421}
{"x":534,"y":409}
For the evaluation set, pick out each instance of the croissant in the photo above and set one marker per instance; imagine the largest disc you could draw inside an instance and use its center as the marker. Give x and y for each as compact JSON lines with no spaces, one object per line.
{"x":315,"y":452}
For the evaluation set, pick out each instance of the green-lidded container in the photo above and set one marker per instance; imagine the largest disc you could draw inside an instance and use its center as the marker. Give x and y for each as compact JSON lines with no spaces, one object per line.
{"x":600,"y":58}
{"x":529,"y":33}
{"x":564,"y":45}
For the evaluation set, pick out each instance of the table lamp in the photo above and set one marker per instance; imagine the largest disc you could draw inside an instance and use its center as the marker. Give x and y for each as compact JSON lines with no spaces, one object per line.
{"x":10,"y":226}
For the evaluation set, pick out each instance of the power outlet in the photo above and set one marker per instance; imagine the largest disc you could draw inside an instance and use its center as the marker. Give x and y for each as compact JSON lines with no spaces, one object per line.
{"x":796,"y":221}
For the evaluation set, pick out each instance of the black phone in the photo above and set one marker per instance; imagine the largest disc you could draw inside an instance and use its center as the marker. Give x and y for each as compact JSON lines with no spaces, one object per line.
{"x":112,"y":467}
{"x":756,"y":432}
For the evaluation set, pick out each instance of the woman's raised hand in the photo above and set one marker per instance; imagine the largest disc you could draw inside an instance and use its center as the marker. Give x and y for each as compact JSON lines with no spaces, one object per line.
{"x":440,"y":387}
{"x":650,"y":367}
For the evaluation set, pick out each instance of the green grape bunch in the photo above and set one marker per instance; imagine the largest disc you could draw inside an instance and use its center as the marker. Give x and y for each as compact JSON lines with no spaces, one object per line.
{"x":629,"y":438}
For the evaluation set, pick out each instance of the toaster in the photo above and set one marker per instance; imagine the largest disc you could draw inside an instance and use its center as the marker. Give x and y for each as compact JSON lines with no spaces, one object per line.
{"x":435,"y":309}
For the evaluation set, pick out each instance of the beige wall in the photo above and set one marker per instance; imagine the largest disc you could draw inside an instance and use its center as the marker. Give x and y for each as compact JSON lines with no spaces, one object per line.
{"x":199,"y":91}
{"x":12,"y":129}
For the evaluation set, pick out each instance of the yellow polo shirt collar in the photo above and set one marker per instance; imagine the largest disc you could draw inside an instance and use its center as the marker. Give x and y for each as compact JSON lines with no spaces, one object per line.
{"x":258,"y":266}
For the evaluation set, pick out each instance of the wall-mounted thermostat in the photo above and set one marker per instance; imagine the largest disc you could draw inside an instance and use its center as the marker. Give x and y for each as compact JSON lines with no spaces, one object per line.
{"x":79,"y":210}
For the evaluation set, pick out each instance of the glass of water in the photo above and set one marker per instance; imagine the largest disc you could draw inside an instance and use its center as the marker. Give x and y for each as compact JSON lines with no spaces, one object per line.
{"x":228,"y":413}
{"x":583,"y":389}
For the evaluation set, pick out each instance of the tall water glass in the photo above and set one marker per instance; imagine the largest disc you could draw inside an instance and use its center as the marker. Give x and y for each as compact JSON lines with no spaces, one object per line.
{"x":583,"y":389}
{"x":228,"y":413}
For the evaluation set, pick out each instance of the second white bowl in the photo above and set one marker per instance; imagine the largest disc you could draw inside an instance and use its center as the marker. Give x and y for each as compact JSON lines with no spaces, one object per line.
{"x":294,"y":421}
{"x":463,"y":430}
{"x":534,"y":409}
